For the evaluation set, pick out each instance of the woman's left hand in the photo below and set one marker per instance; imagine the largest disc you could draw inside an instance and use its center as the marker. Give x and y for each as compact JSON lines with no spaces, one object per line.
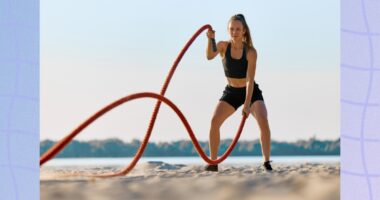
{"x":245,"y":111}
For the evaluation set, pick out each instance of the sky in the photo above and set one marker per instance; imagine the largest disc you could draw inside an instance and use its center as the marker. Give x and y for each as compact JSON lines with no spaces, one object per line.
{"x":95,"y":52}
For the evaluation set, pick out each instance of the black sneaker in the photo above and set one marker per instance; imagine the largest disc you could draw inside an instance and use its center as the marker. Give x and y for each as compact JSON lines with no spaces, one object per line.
{"x":267,"y":165}
{"x":211,"y":168}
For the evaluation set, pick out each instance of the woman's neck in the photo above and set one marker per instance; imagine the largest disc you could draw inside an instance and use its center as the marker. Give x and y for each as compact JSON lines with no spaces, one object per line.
{"x":237,"y":44}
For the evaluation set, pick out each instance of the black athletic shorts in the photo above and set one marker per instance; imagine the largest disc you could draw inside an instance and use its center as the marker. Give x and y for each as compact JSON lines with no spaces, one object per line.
{"x":236,"y":96}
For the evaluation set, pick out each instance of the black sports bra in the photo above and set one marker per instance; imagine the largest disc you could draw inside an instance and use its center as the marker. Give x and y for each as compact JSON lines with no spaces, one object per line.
{"x":235,"y":68}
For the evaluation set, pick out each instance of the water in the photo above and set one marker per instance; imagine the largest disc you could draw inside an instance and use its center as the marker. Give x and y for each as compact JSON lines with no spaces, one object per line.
{"x":189,"y":160}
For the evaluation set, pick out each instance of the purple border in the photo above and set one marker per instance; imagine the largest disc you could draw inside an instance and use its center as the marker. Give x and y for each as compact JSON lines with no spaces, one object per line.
{"x":19,"y":99}
{"x":360,"y":99}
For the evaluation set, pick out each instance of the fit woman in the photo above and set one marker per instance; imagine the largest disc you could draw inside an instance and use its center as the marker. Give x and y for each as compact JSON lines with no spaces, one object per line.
{"x":239,"y":62}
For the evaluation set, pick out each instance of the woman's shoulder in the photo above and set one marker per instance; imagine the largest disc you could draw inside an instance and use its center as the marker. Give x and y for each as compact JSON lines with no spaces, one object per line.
{"x":222,"y":45}
{"x":251,"y":52}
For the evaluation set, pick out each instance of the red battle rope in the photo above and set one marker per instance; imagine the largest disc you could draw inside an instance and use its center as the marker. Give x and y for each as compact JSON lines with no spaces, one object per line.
{"x":160,"y":97}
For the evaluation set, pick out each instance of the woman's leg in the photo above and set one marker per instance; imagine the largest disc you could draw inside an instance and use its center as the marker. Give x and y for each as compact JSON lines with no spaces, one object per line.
{"x":222,"y":112}
{"x":259,"y":111}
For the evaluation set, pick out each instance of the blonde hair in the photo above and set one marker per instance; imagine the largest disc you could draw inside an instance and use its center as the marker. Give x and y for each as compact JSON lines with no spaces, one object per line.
{"x":247,"y":35}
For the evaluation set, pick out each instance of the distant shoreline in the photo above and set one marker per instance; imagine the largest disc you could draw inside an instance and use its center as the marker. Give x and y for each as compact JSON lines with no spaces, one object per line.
{"x":197,"y":156}
{"x":117,"y":148}
{"x":231,"y":160}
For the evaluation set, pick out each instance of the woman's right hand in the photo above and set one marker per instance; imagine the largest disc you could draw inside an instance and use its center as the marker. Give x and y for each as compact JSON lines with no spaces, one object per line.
{"x":212,"y":49}
{"x":211,"y":34}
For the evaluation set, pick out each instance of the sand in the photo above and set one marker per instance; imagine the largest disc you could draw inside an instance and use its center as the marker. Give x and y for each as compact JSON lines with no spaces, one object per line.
{"x":158,"y":180}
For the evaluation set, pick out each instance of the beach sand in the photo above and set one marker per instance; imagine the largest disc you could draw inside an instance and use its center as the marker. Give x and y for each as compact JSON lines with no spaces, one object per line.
{"x":158,"y":180}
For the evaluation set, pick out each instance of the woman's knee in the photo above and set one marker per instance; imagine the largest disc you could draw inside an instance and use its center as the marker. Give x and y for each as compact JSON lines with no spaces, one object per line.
{"x":262,"y":120}
{"x":216,"y":122}
{"x":261,"y":116}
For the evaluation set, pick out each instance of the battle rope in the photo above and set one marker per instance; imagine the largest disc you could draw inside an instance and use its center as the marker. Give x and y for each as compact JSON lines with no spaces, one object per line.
{"x":54,"y":150}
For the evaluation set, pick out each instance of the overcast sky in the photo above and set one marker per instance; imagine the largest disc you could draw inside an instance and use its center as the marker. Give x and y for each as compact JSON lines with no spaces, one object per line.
{"x":94,"y":52}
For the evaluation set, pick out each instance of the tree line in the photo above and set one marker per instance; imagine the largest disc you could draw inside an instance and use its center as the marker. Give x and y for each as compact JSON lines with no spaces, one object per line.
{"x":118,"y":148}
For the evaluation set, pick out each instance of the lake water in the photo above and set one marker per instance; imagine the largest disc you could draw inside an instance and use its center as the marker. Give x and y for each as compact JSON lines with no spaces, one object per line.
{"x":189,"y":160}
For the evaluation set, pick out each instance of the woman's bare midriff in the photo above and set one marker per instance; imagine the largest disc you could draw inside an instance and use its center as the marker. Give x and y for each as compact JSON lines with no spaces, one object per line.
{"x":236,"y":82}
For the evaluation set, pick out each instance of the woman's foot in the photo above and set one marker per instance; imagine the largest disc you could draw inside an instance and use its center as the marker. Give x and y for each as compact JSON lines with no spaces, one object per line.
{"x":211,"y":168}
{"x":267,"y":165}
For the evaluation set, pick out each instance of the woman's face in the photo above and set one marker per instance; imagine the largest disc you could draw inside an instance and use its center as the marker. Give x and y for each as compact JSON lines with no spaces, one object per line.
{"x":236,"y":30}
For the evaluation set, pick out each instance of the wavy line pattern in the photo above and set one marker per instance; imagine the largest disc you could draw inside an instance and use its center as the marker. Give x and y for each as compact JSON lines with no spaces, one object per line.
{"x":366,"y":157}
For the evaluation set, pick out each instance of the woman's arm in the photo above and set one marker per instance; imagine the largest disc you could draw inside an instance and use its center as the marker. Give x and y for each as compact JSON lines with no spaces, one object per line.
{"x":250,"y":78}
{"x":210,"y":54}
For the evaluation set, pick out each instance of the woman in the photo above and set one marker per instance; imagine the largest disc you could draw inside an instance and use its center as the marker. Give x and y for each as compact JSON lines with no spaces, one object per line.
{"x":239,"y":62}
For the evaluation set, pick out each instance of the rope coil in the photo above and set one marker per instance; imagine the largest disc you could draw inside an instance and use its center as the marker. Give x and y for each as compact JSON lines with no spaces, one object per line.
{"x":54,"y":150}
